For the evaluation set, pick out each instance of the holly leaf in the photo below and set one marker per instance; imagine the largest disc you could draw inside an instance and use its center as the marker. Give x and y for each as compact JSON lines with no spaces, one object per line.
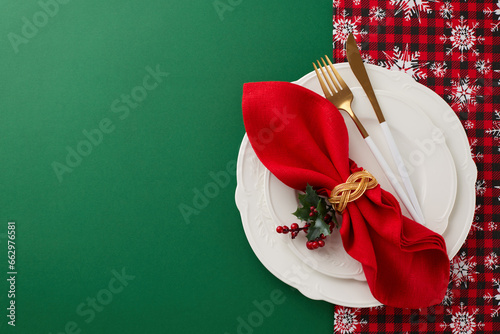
{"x":311,"y":197}
{"x":302,"y":213}
{"x":317,"y":228}
{"x":321,"y":207}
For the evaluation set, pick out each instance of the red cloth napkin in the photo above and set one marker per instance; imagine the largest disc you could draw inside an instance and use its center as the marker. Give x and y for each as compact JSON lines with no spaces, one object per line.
{"x":302,"y":138}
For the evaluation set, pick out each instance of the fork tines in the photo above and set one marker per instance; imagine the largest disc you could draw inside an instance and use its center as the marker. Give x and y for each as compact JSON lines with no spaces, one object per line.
{"x":333,"y":79}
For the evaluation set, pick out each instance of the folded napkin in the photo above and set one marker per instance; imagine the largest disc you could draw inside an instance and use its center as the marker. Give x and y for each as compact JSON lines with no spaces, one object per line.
{"x":302,"y":138}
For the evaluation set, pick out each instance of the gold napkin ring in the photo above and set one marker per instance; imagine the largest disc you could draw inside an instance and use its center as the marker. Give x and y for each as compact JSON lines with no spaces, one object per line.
{"x":355,"y":186}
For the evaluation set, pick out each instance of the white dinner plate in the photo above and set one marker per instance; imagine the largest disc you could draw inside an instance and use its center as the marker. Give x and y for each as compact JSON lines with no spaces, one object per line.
{"x":427,"y":157}
{"x":306,"y":273}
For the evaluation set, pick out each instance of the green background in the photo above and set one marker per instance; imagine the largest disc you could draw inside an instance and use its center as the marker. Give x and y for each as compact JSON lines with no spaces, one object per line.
{"x":119,"y":208}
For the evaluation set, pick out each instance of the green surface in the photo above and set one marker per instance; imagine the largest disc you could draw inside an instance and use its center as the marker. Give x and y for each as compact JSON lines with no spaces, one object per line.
{"x":117,"y":207}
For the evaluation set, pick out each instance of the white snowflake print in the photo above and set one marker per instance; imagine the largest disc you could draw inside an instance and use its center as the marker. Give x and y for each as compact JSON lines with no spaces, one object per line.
{"x":376,"y":14}
{"x":463,"y":321}
{"x":494,"y":311}
{"x":463,"y":92}
{"x":497,"y":114}
{"x":463,"y":38}
{"x":462,"y":270}
{"x":483,"y":66}
{"x":438,"y":69}
{"x":481,"y":187}
{"x":367,"y":58}
{"x":448,"y":298}
{"x":494,"y":131}
{"x":468,"y":124}
{"x":491,"y":262}
{"x":497,"y":187}
{"x":336,"y":3}
{"x":406,"y":62}
{"x":412,"y":8}
{"x":346,"y":320}
{"x":475,"y":227}
{"x":492,"y":226}
{"x":475,"y":155}
{"x":446,"y":10}
{"x":344,"y":26}
{"x":489,"y":11}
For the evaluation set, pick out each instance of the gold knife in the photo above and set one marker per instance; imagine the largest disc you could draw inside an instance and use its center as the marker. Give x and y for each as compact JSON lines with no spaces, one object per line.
{"x":359,"y":70}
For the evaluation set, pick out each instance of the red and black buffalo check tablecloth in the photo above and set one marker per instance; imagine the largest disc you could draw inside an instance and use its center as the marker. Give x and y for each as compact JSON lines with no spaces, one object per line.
{"x":452,"y":47}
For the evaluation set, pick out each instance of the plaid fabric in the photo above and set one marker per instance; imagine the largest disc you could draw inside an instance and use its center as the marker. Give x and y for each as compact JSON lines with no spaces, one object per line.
{"x":452,"y":47}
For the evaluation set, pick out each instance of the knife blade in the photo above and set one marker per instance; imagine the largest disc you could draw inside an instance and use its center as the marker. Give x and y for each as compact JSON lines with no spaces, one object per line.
{"x":359,"y":70}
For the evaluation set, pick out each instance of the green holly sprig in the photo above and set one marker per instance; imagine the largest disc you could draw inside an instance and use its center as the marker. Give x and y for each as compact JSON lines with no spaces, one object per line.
{"x":319,"y":218}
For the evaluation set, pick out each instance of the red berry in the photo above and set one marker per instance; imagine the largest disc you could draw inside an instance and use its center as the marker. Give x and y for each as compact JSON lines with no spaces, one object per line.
{"x":285,"y":229}
{"x":321,"y":243}
{"x":309,"y":245}
{"x":312,"y":208}
{"x":322,"y":236}
{"x":327,"y":218}
{"x":311,"y":214}
{"x":315,"y":244}
{"x":279,"y":229}
{"x":294,"y":226}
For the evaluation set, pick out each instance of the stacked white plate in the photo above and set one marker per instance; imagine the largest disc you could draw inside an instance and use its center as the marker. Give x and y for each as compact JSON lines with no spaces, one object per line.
{"x":435,"y":149}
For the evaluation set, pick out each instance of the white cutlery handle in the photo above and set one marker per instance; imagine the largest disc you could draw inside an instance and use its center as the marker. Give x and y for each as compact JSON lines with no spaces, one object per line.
{"x":401,"y":169}
{"x":392,"y":178}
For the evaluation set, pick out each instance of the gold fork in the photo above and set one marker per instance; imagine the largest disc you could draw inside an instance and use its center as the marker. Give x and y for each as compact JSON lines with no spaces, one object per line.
{"x":340,"y":95}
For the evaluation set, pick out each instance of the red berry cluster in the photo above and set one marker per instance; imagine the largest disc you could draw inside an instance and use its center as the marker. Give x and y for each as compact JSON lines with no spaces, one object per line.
{"x":294,"y":229}
{"x":318,"y":242}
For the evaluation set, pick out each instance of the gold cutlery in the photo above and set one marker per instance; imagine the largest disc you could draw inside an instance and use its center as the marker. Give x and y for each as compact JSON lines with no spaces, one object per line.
{"x":359,"y":70}
{"x":340,"y":95}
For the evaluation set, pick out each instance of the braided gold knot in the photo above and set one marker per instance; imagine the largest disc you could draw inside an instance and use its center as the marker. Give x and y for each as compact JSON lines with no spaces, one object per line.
{"x":355,"y":186}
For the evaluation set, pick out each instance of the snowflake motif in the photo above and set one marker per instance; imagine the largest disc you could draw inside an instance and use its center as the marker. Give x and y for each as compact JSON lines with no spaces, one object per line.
{"x":412,"y":7}
{"x":367,"y":58}
{"x":463,"y":321}
{"x":497,"y":187}
{"x":483,"y":66}
{"x":494,"y":131}
{"x":488,"y":11}
{"x":356,"y":2}
{"x":462,"y":270}
{"x":475,"y":227}
{"x":492,"y":226}
{"x":491,"y":262}
{"x":336,"y":3}
{"x":405,"y":62}
{"x":343,"y":26}
{"x":496,"y":112}
{"x":468,"y":124}
{"x":346,"y":320}
{"x":463,"y":38}
{"x":472,"y":144}
{"x":376,"y":14}
{"x":446,"y":10}
{"x":448,"y":298}
{"x":438,"y":69}
{"x":463,"y":92}
{"x":481,"y":187}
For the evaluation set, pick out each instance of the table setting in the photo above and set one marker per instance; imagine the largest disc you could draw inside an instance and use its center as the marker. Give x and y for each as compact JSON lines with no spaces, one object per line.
{"x":395,"y":139}
{"x":242,"y":167}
